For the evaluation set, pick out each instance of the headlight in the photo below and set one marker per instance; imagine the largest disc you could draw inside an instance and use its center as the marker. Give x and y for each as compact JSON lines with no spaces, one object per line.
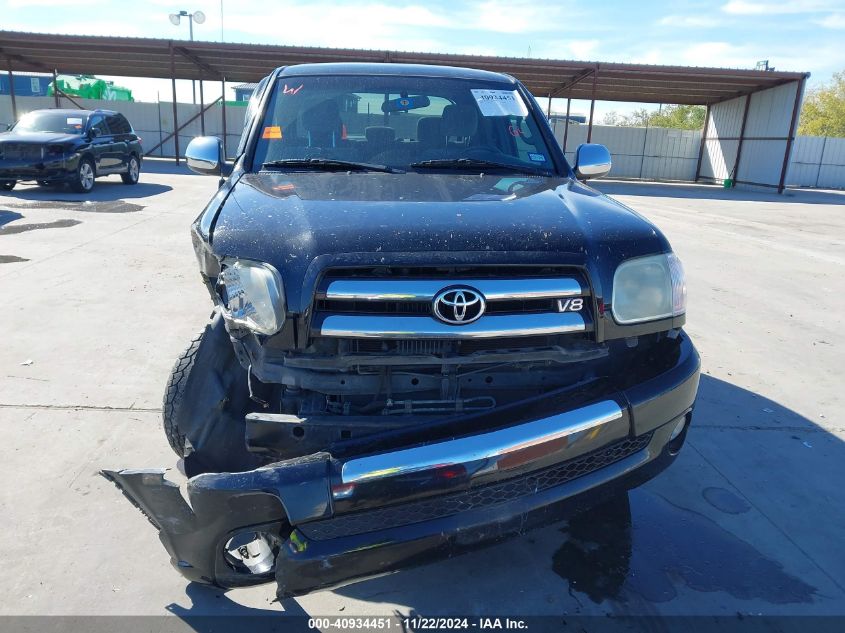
{"x":55,"y":150}
{"x":252,"y":295}
{"x":649,"y":288}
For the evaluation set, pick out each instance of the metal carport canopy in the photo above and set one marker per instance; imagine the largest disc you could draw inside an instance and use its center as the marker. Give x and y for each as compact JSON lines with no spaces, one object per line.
{"x":180,"y":59}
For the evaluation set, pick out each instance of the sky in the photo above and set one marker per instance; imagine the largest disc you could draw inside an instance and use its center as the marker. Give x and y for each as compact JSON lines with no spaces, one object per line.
{"x":798,"y":35}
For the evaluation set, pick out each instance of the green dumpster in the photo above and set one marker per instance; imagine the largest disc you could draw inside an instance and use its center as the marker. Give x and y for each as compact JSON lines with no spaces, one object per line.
{"x":90,"y":87}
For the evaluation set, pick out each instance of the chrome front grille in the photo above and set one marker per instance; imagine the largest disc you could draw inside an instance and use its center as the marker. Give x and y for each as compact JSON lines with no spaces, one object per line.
{"x":391,"y":308}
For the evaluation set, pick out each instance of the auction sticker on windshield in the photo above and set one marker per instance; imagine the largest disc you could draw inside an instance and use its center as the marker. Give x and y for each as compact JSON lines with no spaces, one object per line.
{"x":499,"y":102}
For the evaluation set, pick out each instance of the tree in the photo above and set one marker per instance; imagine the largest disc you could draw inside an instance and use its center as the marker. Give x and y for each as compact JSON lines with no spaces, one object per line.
{"x":637,"y":118}
{"x":683,"y":117}
{"x":823,"y":112}
{"x":611,"y":118}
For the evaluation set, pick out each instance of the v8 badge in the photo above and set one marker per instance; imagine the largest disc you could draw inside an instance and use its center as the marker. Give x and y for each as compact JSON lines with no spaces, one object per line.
{"x":570,"y":305}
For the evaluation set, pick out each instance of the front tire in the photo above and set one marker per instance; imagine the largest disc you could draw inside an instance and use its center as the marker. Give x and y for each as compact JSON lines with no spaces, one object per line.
{"x":7,"y":185}
{"x":133,"y":172}
{"x":205,"y":402}
{"x":174,"y":394}
{"x":85,"y":174}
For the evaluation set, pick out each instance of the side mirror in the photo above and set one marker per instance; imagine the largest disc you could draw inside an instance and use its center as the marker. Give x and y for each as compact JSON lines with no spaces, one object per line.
{"x":204,"y":155}
{"x":591,"y":161}
{"x":93,"y":133}
{"x":5,"y":127}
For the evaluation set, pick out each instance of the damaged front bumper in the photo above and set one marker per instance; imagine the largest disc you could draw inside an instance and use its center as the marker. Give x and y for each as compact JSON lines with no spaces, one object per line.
{"x":396,"y":499}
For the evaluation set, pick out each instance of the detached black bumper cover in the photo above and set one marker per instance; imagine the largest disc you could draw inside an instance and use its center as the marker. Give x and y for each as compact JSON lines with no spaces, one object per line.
{"x":340,"y":518}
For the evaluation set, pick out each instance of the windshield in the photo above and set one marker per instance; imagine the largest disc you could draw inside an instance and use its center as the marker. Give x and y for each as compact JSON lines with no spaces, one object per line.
{"x":59,"y":122}
{"x":407,"y":123}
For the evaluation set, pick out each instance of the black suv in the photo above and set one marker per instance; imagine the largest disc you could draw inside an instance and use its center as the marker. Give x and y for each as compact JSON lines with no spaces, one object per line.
{"x":428,"y":333}
{"x":69,"y":146}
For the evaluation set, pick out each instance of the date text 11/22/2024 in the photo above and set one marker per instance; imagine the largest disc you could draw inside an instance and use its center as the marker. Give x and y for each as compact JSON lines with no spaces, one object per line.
{"x":415,"y":623}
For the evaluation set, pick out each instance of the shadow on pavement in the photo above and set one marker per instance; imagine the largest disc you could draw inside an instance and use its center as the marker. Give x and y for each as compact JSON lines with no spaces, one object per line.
{"x":643,"y":544}
{"x":167,"y":166}
{"x":645,"y":547}
{"x":714,"y":192}
{"x":109,"y":189}
{"x":207,"y":600}
{"x":212,"y":611}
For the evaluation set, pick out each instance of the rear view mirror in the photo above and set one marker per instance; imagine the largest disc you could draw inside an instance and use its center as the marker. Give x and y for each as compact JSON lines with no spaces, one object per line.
{"x":403,"y":104}
{"x":591,"y":161}
{"x":204,"y":155}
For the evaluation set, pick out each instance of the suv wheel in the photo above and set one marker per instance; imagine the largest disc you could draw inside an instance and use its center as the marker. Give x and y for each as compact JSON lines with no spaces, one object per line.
{"x":84,"y":181}
{"x":7,"y":185}
{"x":132,"y":172}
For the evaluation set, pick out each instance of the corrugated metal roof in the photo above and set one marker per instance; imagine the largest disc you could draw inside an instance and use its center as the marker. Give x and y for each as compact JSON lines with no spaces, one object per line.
{"x":148,"y":57}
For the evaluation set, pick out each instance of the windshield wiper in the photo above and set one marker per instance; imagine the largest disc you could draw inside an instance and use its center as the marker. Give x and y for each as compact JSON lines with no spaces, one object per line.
{"x":328,"y":164}
{"x":472,"y":163}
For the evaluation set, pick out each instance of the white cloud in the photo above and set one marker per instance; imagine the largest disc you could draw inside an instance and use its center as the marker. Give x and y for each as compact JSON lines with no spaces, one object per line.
{"x":564,"y":48}
{"x":15,"y":4}
{"x":717,"y":54}
{"x":832,"y":21}
{"x":744,"y":7}
{"x":820,"y":60}
{"x":339,"y":25}
{"x":404,"y":27}
{"x":516,"y":16}
{"x":653,"y":56}
{"x":583,"y":49}
{"x":689,"y":21}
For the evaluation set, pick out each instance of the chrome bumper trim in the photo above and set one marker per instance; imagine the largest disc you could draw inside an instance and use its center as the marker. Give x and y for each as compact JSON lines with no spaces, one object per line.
{"x":489,"y":447}
{"x":421,"y":327}
{"x":427,"y":289}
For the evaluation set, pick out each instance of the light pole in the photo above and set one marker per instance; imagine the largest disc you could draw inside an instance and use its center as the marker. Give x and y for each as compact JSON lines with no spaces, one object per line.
{"x":199,"y":18}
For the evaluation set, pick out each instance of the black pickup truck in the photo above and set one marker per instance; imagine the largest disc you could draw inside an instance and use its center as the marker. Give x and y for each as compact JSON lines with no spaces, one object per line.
{"x":428,"y":333}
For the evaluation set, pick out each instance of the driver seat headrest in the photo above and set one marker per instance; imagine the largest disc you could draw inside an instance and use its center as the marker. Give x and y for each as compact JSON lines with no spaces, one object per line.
{"x":323,"y":124}
{"x":460,"y":120}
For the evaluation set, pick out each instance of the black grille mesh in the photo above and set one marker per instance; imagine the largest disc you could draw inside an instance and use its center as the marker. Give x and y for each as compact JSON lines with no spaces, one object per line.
{"x":490,"y":495}
{"x":20,"y":151}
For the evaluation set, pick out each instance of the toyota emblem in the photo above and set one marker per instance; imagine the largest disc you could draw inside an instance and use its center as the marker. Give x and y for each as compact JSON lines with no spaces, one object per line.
{"x":459,"y":306}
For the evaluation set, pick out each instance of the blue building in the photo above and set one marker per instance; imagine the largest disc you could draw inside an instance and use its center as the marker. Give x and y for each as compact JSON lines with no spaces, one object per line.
{"x":242,"y":91}
{"x":26,"y":85}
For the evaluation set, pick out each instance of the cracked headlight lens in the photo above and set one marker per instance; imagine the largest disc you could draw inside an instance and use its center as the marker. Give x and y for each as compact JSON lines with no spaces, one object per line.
{"x":649,"y":288}
{"x":252,"y":295}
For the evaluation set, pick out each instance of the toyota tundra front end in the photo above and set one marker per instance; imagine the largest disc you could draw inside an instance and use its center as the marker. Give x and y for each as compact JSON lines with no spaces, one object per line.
{"x":428,"y":333}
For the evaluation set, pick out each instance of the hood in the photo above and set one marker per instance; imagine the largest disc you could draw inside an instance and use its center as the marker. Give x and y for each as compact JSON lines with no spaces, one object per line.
{"x":304,"y":222}
{"x":38,"y":138}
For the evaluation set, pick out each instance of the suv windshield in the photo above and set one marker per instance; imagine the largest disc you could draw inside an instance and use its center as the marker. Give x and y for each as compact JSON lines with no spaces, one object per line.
{"x":60,"y":122}
{"x":417,"y":123}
